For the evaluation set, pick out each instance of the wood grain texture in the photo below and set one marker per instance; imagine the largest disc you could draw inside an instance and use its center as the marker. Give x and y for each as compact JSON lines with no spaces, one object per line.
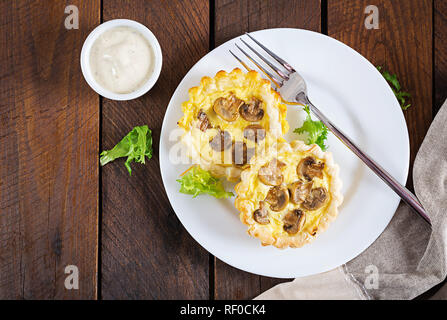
{"x":233,"y":18}
{"x":48,"y":152}
{"x":146,"y":252}
{"x":402,"y":45}
{"x":440,"y":53}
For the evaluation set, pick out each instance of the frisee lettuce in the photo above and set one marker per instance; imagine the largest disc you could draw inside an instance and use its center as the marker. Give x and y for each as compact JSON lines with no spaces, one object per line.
{"x":136,"y":145}
{"x":198,"y":181}
{"x":396,"y":87}
{"x":315,"y":131}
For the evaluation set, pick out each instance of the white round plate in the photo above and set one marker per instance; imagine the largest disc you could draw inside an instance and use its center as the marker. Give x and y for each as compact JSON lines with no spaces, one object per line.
{"x":351,"y":92}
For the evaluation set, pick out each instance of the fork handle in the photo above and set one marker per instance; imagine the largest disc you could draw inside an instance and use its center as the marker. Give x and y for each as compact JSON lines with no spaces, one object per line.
{"x":401,"y":190}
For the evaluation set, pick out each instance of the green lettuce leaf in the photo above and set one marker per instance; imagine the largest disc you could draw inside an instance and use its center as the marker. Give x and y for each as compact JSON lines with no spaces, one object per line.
{"x":198,"y":181}
{"x":315,"y":131}
{"x":136,"y":145}
{"x":395,"y":86}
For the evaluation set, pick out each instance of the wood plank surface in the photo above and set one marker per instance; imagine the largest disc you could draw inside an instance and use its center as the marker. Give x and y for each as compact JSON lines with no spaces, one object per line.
{"x":402,"y":45}
{"x":233,"y":18}
{"x":49,"y":139}
{"x":146,"y":252}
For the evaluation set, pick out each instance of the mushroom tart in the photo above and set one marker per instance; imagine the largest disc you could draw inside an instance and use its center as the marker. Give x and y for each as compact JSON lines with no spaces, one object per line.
{"x":287,"y":197}
{"x":228,"y":119}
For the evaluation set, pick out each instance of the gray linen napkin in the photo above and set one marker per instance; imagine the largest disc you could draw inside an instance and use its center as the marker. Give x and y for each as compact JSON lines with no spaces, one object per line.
{"x":409,"y":257}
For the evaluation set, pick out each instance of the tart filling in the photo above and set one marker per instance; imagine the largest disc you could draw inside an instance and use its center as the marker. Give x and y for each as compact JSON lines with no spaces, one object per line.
{"x":288,"y":197}
{"x":230,"y":118}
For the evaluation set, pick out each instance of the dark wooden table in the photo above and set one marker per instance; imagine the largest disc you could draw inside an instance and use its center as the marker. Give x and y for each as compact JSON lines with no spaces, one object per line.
{"x":59,"y":208}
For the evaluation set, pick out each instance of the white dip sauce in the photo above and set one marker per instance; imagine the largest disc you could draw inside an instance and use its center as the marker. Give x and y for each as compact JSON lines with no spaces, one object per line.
{"x":121,"y":60}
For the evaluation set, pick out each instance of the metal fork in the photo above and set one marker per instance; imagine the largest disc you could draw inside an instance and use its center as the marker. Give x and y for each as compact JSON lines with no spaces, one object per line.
{"x":293,"y":90}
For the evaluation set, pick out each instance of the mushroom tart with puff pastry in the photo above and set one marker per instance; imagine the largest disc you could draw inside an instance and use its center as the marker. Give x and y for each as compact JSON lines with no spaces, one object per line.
{"x":230,"y":118}
{"x":289,"y":196}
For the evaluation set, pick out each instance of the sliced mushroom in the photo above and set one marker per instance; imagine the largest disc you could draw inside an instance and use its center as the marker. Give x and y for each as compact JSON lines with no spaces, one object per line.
{"x":261,"y":215}
{"x":241,"y":155}
{"x":252,"y":111}
{"x":204,"y":122}
{"x":221,"y":141}
{"x":270,"y":174}
{"x":315,"y":199}
{"x":228,"y":108}
{"x":309,"y":168}
{"x":294,"y":221}
{"x":254,"y":132}
{"x":299,"y":191}
{"x":278,"y":198}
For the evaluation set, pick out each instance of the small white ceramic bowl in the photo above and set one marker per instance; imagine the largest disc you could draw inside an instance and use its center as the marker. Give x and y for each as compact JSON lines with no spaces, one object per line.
{"x":85,"y":59}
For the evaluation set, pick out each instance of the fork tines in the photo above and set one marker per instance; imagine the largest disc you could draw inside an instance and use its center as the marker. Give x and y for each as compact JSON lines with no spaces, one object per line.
{"x":283,"y":75}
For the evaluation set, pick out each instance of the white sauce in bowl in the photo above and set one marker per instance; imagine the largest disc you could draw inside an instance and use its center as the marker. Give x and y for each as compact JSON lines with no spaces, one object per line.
{"x":121,"y":60}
